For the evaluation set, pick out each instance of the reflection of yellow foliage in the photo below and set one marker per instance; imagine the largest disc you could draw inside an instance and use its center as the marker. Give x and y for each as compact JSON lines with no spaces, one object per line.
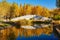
{"x":26,"y":32}
{"x":29,"y":32}
{"x":16,"y":31}
{"x":39,"y":31}
{"x":21,"y":31}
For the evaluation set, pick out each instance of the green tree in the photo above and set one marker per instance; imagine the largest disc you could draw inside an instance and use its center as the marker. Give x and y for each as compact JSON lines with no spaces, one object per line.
{"x":58,"y":3}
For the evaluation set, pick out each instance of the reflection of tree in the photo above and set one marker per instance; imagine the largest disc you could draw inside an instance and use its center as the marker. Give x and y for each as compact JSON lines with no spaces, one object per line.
{"x":0,"y":35}
{"x":11,"y":36}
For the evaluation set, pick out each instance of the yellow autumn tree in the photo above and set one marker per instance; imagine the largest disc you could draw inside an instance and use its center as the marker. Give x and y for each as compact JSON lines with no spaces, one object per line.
{"x":27,"y":9}
{"x":41,"y":11}
{"x":21,"y":10}
{"x":4,"y":9}
{"x":14,"y":11}
{"x":45,"y":12}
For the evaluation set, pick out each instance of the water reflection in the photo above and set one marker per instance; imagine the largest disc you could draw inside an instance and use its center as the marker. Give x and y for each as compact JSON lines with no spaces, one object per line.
{"x":41,"y":37}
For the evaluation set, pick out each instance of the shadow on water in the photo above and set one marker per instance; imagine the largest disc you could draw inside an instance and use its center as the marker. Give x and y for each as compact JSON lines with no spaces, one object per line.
{"x":56,"y":33}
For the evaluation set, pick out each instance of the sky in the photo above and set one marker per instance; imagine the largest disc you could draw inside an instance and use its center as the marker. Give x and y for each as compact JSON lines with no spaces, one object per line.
{"x":50,"y":4}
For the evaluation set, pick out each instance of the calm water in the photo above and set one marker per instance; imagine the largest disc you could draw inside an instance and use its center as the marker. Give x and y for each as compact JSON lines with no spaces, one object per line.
{"x":41,"y":37}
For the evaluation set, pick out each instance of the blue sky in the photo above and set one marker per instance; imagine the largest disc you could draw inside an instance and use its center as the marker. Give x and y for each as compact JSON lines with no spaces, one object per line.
{"x":50,"y":4}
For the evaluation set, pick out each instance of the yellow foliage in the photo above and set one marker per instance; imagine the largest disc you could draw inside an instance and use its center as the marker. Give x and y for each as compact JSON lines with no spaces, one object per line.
{"x":13,"y":10}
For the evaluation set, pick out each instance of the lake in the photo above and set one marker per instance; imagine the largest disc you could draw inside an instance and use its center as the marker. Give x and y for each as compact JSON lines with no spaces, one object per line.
{"x":41,"y":37}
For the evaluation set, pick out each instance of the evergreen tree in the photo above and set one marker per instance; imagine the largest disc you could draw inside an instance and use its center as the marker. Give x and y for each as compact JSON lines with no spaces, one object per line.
{"x":58,"y":3}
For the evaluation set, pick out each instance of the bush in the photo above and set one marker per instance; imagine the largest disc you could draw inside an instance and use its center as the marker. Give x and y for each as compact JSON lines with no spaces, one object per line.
{"x":56,"y":17}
